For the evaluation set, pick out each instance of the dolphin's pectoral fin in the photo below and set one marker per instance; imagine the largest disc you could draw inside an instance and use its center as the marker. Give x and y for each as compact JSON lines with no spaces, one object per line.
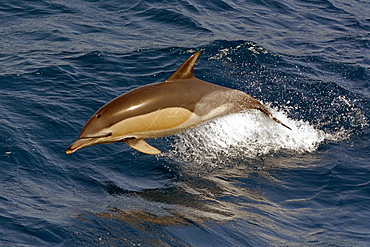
{"x":141,"y":145}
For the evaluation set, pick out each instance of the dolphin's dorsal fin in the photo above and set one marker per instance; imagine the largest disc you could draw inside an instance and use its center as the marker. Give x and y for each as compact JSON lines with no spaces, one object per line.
{"x":141,"y":145}
{"x":186,"y":69}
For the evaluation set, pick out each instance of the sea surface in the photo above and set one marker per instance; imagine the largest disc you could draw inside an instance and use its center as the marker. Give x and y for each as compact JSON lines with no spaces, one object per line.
{"x":239,"y":180}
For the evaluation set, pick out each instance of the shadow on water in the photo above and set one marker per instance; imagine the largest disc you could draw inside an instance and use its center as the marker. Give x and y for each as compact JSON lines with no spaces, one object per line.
{"x":205,"y":197}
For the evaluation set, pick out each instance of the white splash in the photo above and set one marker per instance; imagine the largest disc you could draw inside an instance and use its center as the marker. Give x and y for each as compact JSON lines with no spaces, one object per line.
{"x":245,"y":135}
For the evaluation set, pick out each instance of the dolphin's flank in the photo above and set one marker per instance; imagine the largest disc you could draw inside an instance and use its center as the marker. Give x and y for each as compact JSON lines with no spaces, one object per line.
{"x":162,"y":109}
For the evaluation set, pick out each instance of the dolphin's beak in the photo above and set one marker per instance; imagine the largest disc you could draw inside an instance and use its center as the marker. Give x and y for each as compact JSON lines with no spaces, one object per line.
{"x":78,"y":144}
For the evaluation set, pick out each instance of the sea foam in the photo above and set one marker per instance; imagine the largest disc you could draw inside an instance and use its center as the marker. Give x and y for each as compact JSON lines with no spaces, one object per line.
{"x":246,"y":135}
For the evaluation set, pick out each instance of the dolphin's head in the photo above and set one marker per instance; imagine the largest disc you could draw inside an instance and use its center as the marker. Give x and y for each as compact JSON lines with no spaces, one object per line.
{"x":96,"y":131}
{"x":115,"y":121}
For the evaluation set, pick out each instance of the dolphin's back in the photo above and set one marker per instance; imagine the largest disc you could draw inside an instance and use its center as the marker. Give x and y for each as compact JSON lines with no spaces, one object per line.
{"x":181,"y":93}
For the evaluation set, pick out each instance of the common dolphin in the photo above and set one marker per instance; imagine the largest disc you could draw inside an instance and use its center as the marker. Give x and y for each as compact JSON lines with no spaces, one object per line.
{"x":162,"y":109}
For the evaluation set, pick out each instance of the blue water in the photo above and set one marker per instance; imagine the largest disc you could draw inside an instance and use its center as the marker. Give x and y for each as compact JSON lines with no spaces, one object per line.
{"x":239,"y":180}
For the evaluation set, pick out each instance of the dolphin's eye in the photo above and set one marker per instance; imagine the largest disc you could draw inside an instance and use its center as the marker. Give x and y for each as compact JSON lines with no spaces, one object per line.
{"x":98,"y":116}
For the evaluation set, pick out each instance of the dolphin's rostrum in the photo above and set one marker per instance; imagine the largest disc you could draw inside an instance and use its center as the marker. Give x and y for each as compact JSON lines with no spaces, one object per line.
{"x":162,"y":109}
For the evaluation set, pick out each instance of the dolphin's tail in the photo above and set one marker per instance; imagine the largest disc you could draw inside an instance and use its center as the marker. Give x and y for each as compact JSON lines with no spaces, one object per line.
{"x":278,"y":121}
{"x":266,"y":112}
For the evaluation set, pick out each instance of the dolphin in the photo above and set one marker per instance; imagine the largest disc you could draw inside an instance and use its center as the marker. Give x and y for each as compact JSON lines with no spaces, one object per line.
{"x":163,"y":109}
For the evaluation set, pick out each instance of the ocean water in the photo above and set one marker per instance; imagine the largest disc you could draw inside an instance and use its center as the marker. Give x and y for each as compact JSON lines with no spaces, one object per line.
{"x":239,"y":180}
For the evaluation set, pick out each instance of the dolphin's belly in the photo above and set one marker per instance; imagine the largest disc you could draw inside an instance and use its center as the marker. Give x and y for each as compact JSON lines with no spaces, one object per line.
{"x":154,"y":124}
{"x":171,"y":120}
{"x":163,"y":122}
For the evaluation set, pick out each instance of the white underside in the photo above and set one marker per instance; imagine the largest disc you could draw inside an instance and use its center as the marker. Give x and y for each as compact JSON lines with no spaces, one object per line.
{"x":193,"y":120}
